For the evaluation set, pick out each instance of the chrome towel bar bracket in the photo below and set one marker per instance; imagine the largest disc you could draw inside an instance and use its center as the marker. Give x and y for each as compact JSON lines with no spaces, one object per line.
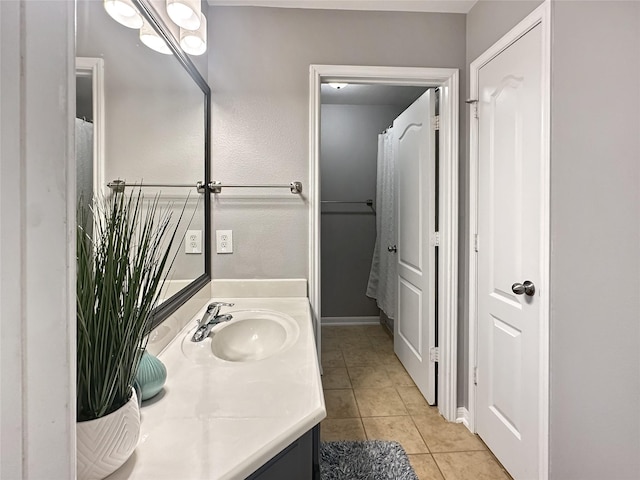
{"x":216,"y":187}
{"x":118,"y":186}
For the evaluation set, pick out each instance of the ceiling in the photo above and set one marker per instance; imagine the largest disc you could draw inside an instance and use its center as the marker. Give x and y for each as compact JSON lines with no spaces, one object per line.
{"x":440,"y":6}
{"x":400,"y":96}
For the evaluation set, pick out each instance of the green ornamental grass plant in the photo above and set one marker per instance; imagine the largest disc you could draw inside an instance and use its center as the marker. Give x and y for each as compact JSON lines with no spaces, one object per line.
{"x":123,"y":260}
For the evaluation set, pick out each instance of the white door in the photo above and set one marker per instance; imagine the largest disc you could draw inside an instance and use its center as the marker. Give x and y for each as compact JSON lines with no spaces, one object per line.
{"x":510,"y":229}
{"x":414,"y":325}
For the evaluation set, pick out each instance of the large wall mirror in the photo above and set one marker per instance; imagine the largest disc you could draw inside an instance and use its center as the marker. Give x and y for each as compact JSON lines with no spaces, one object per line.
{"x":142,"y":120}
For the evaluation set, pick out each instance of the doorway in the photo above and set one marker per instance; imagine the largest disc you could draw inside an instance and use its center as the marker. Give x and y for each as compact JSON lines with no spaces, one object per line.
{"x":447,"y":81}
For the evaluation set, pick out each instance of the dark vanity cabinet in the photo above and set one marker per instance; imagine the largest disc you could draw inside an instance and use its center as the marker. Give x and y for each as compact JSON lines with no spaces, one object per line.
{"x":299,"y":461}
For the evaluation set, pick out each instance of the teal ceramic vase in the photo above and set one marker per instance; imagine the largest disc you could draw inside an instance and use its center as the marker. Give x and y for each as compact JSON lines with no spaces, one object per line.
{"x":151,"y":375}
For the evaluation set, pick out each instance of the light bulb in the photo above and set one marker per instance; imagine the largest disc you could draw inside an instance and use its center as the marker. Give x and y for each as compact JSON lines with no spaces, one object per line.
{"x":151,"y":39}
{"x":185,"y":13}
{"x":194,"y":42}
{"x":123,"y":12}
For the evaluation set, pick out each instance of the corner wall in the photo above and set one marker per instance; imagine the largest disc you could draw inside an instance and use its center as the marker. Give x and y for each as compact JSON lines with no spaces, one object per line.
{"x":595,"y":241}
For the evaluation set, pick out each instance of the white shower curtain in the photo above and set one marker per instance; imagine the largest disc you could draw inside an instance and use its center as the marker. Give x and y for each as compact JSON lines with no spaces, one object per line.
{"x":383,"y":276}
{"x":84,"y":159}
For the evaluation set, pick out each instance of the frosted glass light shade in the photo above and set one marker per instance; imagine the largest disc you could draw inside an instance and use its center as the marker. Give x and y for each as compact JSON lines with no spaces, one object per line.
{"x":124,"y":12}
{"x":185,"y":13}
{"x":151,"y":39}
{"x":194,"y":42}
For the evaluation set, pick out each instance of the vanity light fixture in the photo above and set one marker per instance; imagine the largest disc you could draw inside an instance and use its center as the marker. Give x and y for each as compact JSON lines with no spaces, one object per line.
{"x":151,"y":39}
{"x":194,"y":42}
{"x":124,"y":12}
{"x":337,"y":86}
{"x":185,"y":13}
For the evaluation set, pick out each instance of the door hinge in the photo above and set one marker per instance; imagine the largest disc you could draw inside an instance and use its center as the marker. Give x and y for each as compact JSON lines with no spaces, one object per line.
{"x":435,"y":239}
{"x":476,"y":242}
{"x":435,"y":121}
{"x":474,"y":105}
{"x":434,"y":354}
{"x":475,"y":375}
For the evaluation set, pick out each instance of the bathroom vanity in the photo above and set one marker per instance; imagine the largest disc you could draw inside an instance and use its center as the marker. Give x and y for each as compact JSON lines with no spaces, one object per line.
{"x":236,"y":414}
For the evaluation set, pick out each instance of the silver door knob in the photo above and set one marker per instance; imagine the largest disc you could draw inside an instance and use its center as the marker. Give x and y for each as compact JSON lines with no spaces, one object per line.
{"x":392,"y":248}
{"x":527,"y":288}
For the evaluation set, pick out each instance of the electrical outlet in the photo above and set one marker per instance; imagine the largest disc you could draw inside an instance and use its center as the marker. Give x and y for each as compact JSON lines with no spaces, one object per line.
{"x":193,"y":241}
{"x":224,"y":241}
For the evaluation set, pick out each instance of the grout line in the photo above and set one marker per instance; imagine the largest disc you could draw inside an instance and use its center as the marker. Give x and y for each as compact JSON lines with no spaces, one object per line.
{"x":438,"y":467}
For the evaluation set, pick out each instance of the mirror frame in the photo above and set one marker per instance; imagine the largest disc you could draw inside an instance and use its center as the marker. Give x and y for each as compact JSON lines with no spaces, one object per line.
{"x":166,"y":308}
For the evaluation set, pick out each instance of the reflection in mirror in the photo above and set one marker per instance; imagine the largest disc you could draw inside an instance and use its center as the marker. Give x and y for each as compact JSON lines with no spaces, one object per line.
{"x":141,"y":120}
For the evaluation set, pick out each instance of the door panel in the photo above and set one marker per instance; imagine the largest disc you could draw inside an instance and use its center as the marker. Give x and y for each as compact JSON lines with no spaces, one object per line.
{"x":410,"y":306}
{"x":510,"y":204}
{"x":409,"y":192}
{"x":414,"y":151}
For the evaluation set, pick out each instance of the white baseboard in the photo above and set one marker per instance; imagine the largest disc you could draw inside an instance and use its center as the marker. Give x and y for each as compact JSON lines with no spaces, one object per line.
{"x":338,"y":321}
{"x":463,"y":417}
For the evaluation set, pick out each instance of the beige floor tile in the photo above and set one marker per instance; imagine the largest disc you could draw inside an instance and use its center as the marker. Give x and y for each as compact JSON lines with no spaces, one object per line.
{"x":375,"y":331}
{"x":379,"y":402}
{"x":381,"y":344}
{"x":400,"y":429}
{"x":389,"y":359}
{"x":330,"y":344}
{"x":443,"y":436}
{"x":333,"y":378}
{"x":332,"y":359}
{"x":360,"y":357}
{"x":334,"y":429}
{"x":331,"y":332}
{"x":425,"y":467}
{"x":369,"y":377}
{"x":398,"y":375}
{"x":469,"y":466}
{"x":340,"y":404}
{"x":415,"y":402}
{"x":354,"y":341}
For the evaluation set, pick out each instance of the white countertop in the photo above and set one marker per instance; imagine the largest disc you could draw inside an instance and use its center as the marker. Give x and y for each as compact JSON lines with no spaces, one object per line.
{"x":224,"y":420}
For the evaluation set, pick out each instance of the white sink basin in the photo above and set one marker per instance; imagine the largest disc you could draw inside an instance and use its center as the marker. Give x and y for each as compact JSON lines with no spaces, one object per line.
{"x":250,"y":336}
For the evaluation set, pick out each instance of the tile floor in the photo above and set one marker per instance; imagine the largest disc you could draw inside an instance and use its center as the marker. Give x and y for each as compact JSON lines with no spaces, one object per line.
{"x":369,"y":395}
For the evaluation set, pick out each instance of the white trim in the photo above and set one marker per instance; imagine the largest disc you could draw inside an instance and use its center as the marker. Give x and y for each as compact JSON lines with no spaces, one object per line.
{"x":341,"y":321}
{"x":37,"y":240}
{"x":447,"y":79}
{"x":94,"y":68}
{"x":440,"y":6}
{"x":463,"y":417}
{"x":542,"y":16}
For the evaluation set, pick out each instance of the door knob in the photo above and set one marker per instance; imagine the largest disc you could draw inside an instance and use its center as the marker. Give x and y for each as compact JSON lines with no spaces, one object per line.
{"x":392,"y":248}
{"x":527,"y":288}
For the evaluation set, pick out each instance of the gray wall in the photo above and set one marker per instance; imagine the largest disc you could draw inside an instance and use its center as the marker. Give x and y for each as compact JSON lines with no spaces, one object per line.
{"x":259,"y":72}
{"x":595,"y":241}
{"x":487,"y":21}
{"x":348,"y":171}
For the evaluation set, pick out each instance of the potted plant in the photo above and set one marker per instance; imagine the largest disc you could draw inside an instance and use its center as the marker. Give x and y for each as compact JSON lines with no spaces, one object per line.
{"x":123,"y":246}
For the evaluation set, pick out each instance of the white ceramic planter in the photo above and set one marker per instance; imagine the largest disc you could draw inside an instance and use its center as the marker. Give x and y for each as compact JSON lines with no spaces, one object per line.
{"x":104,"y":444}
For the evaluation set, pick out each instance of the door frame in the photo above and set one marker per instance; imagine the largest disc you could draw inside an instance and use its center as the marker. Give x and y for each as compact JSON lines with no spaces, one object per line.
{"x":448,"y":80}
{"x":540,"y":16}
{"x":93,"y":68}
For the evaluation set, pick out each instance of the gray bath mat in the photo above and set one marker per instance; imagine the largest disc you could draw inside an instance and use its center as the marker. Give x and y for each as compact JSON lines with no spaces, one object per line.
{"x":364,"y":460}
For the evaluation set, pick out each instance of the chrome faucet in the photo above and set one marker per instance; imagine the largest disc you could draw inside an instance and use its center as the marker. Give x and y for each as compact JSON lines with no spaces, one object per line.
{"x":210,"y":319}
